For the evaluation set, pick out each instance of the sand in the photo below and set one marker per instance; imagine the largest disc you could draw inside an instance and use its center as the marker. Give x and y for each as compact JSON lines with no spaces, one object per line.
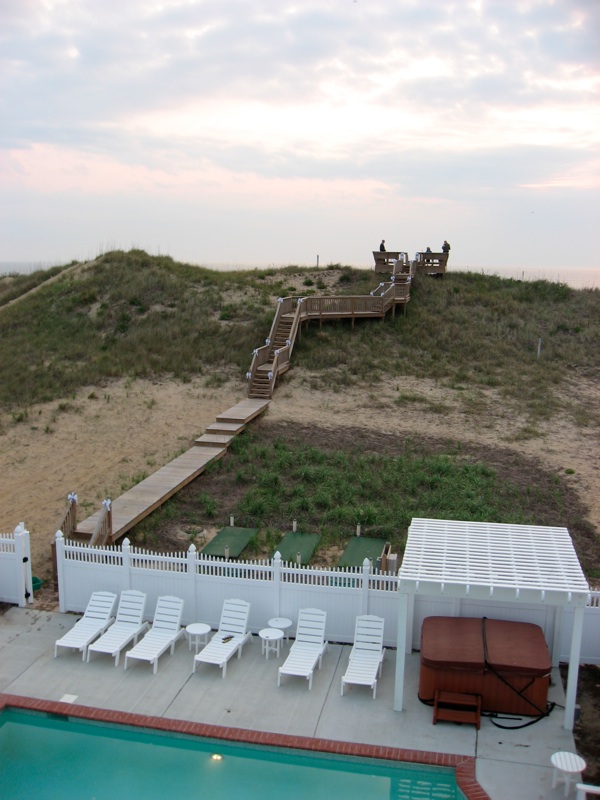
{"x":105,"y":439}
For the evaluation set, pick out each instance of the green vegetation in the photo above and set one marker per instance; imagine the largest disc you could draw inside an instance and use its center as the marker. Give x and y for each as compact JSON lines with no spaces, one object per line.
{"x":14,"y":285}
{"x":135,"y":315}
{"x":140,"y":316}
{"x":266,"y":482}
{"x":469,"y":331}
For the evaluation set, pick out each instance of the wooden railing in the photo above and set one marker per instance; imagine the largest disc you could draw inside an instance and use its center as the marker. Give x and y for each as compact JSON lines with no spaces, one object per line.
{"x":342,"y":306}
{"x":260,"y":356}
{"x":285,"y":305}
{"x":69,"y":520}
{"x":67,"y":524}
{"x":296,"y":324}
{"x":431,"y":263}
{"x":385,"y":297}
{"x":103,"y":531}
{"x":391,"y":259}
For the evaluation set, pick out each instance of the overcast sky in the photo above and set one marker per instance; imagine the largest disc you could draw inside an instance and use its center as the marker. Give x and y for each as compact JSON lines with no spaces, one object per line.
{"x":267,"y":131}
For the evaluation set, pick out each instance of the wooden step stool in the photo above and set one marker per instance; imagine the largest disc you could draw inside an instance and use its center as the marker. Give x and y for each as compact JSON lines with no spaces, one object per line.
{"x":455,"y":707}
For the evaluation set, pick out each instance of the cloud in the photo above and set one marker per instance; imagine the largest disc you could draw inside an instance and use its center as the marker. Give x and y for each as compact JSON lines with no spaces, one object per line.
{"x":296,"y":102}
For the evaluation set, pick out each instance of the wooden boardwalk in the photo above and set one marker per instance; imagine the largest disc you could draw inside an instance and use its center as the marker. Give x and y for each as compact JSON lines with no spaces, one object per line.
{"x":149,"y":494}
{"x":269,"y":361}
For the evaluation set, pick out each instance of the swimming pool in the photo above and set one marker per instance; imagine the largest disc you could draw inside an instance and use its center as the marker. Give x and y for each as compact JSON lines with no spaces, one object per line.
{"x":50,"y":755}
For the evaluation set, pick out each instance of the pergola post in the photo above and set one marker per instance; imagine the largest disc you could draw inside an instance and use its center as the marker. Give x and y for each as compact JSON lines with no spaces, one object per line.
{"x":493,"y":562}
{"x":558,"y":618}
{"x":401,"y":649}
{"x":573,"y":673}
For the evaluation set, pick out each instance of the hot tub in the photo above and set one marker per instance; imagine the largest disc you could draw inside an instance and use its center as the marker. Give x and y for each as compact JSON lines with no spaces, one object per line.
{"x":506,"y":663}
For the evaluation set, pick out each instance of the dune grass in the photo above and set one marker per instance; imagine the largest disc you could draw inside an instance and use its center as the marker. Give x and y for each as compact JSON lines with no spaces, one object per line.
{"x":14,"y":285}
{"x":470,"y":331}
{"x":140,"y":316}
{"x":268,"y":481}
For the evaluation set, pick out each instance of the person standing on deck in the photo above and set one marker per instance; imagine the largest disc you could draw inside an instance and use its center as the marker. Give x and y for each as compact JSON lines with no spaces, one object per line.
{"x":382,"y":246}
{"x":445,"y":247}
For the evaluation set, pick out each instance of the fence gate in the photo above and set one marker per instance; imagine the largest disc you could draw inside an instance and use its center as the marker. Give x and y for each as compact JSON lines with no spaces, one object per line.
{"x":15,"y":567}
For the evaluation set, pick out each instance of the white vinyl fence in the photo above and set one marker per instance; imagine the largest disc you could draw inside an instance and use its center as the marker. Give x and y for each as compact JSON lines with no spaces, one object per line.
{"x":276,"y":589}
{"x":15,"y":567}
{"x":273,"y":588}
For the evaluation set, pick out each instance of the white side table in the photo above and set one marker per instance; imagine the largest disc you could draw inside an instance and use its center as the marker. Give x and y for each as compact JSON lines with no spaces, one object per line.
{"x":283,"y":623}
{"x":566,"y":767}
{"x":271,"y":640}
{"x":198,"y":631}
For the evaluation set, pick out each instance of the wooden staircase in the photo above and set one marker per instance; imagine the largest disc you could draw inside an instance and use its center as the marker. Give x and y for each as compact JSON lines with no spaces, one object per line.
{"x":273,"y":358}
{"x":283,"y":334}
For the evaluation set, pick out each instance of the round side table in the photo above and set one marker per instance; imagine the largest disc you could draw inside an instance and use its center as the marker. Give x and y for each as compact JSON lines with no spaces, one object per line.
{"x":271,"y":640}
{"x":566,"y":767}
{"x":283,"y":623}
{"x":198,"y":631}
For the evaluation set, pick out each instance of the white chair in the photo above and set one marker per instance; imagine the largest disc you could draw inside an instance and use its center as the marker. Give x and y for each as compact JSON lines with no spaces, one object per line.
{"x":229,"y":639}
{"x":127,"y":627}
{"x":165,"y":631}
{"x":96,"y":619}
{"x":308,"y":647}
{"x":366,"y":656}
{"x":583,"y":789}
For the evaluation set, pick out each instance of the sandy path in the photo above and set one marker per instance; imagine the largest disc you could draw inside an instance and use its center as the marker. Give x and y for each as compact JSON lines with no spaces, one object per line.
{"x":99,"y":443}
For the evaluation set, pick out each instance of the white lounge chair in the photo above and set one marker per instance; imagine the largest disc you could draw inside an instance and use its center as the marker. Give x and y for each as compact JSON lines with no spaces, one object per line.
{"x":96,"y":619}
{"x":308,"y":647}
{"x":229,"y":639}
{"x":366,"y":656}
{"x":127,"y":627}
{"x":166,"y":629}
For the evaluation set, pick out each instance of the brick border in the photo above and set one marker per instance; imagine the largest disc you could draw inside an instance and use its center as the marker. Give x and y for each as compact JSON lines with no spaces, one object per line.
{"x":464,"y":766}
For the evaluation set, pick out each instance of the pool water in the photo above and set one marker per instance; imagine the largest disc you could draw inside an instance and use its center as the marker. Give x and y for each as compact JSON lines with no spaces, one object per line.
{"x":49,"y":756}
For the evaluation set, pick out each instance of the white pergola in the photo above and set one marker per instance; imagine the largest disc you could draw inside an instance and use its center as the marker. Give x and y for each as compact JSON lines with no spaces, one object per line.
{"x":493,"y":562}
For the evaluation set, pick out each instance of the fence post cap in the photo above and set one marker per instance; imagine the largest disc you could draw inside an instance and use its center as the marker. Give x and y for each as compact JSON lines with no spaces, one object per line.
{"x":58,"y":535}
{"x":277,"y":556}
{"x":192,"y":548}
{"x":126,"y":544}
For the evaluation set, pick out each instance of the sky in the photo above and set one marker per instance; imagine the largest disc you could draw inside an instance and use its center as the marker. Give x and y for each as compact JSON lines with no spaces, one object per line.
{"x":276,"y":132}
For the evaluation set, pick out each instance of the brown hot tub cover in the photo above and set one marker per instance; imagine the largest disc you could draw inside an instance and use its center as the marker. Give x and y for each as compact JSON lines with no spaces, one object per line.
{"x":507,"y":663}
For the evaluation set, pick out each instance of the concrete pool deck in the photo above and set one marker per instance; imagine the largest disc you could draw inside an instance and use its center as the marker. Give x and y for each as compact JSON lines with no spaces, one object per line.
{"x":509,"y":763}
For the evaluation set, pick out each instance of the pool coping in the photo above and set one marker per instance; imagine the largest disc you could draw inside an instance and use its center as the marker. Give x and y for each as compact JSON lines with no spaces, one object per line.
{"x":464,"y":766}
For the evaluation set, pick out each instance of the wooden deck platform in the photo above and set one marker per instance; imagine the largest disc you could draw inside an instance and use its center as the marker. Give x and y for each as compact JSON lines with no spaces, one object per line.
{"x":244,"y":411}
{"x":146,"y":496}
